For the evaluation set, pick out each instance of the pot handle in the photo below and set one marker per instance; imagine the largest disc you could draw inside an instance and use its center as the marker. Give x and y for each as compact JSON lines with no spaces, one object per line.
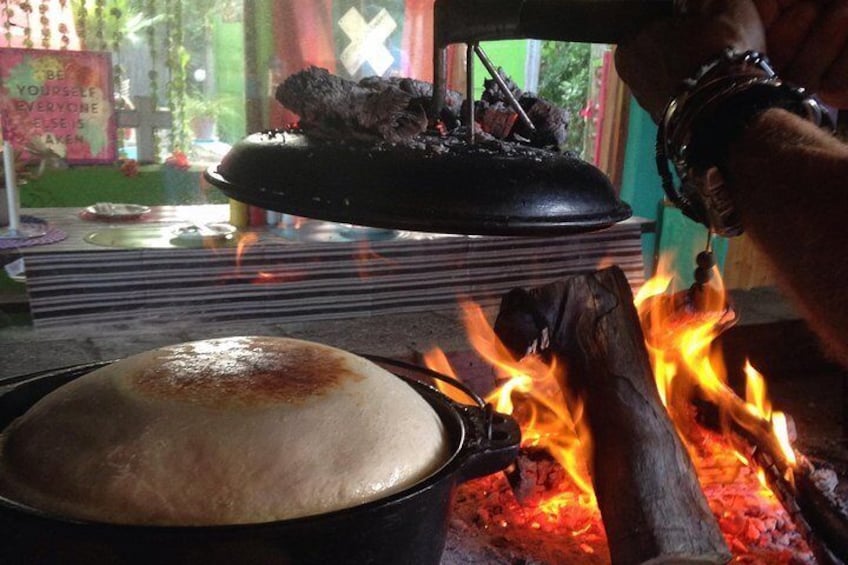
{"x":492,"y":442}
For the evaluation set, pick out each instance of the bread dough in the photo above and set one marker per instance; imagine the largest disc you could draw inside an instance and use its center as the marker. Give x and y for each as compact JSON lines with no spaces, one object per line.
{"x":223,"y":431}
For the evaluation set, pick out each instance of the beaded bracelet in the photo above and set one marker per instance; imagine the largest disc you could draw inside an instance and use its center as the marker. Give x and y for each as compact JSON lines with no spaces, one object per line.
{"x":699,"y":124}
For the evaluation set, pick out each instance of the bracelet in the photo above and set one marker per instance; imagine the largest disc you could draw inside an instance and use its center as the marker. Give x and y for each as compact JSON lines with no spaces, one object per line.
{"x":699,"y":124}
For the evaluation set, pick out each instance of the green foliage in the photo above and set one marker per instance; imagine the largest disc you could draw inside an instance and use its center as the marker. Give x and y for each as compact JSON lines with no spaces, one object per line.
{"x":564,"y":79}
{"x":22,"y":75}
{"x":118,"y":21}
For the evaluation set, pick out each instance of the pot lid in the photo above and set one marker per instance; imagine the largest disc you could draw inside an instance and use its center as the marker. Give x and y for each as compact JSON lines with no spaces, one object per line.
{"x":429,"y":184}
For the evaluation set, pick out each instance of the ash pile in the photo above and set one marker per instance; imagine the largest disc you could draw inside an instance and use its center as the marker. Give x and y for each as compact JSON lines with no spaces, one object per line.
{"x":396,"y":112}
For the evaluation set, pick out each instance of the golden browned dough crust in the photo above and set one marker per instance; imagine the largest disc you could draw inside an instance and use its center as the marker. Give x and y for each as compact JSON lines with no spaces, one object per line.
{"x":224,"y":431}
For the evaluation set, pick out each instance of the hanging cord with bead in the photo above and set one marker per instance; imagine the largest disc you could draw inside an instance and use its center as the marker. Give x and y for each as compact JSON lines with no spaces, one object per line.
{"x":706,"y":298}
{"x":705,"y":261}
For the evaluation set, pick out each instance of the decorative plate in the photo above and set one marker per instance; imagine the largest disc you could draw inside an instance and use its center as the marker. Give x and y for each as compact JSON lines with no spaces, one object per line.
{"x":113,"y":211}
{"x":204,"y":232}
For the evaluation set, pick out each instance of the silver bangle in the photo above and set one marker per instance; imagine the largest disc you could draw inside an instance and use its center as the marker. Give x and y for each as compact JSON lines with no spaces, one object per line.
{"x":744,"y":82}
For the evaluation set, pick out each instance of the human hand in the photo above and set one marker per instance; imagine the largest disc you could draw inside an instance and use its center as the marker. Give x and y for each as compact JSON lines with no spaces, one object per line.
{"x":808,"y":44}
{"x":655,"y":61}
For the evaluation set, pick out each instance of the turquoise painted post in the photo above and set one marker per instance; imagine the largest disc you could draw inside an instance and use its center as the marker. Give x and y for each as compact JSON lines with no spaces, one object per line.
{"x":642,"y":189}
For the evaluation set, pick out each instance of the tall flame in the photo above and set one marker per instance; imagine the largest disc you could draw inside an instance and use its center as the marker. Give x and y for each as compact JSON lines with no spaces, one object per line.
{"x":756,"y":400}
{"x":680,"y":329}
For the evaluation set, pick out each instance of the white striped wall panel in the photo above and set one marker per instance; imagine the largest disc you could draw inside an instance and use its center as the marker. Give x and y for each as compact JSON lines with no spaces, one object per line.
{"x":310,"y":281}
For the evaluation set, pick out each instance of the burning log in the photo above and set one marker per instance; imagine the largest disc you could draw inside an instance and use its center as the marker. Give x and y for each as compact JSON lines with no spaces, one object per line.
{"x":496,"y":117}
{"x":807,"y":493}
{"x":534,"y":473}
{"x":647,"y":490}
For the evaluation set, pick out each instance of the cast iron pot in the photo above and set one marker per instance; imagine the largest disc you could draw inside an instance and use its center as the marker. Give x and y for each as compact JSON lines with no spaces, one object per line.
{"x":405,"y":528}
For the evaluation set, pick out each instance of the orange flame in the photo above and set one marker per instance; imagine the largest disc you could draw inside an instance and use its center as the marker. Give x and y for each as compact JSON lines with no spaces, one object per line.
{"x":781,"y":431}
{"x":756,"y":400}
{"x":679,"y":330}
{"x":243,"y":244}
{"x":437,"y":361}
{"x":546,"y":419}
{"x":679,"y":342}
{"x":246,"y":241}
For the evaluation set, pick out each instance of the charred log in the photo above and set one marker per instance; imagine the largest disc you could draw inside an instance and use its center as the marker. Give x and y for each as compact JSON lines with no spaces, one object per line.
{"x":534,"y":474}
{"x":649,"y":496}
{"x":372,"y":109}
{"x":550,"y":121}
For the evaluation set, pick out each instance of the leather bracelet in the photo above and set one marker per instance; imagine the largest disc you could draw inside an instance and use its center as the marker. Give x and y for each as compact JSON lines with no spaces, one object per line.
{"x":700,"y":123}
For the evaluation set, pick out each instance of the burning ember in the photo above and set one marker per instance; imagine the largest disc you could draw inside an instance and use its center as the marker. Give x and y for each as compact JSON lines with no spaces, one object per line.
{"x":545,"y":507}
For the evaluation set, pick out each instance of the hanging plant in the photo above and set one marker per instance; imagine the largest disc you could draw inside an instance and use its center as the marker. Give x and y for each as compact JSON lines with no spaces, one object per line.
{"x":153,"y":74}
{"x":117,"y":14}
{"x":44,"y":20}
{"x":8,"y":12}
{"x":100,"y":24}
{"x":63,"y":27}
{"x":26,"y":8}
{"x":177,"y":63}
{"x":82,"y":22}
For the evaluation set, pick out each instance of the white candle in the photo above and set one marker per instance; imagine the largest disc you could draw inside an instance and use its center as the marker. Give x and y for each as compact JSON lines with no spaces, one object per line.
{"x":11,"y":187}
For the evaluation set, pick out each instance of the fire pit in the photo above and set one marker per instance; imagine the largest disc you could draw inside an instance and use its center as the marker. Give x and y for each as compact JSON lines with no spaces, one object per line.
{"x":768,"y":500}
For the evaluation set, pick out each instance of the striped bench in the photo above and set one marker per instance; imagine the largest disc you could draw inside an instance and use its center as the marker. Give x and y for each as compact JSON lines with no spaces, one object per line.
{"x":277,"y":279}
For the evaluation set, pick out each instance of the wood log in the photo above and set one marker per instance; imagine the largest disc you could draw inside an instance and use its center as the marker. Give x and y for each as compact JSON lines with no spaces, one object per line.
{"x":652,"y":505}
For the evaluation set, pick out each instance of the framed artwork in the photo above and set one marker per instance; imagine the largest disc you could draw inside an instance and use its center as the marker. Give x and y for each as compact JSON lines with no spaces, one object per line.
{"x":59,"y":104}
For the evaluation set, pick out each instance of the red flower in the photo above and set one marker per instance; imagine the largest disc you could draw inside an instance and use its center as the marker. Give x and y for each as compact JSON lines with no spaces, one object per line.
{"x":178,"y":160}
{"x":129,"y":167}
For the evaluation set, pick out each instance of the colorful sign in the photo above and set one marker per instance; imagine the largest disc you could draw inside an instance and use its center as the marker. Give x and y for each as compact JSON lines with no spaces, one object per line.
{"x":59,"y":102}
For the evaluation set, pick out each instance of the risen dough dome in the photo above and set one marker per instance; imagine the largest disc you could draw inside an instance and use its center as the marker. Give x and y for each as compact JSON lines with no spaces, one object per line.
{"x":224,"y":431}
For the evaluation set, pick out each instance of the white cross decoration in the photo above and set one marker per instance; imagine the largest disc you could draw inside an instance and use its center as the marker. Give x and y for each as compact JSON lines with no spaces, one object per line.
{"x":146,"y":120}
{"x":367,"y":41}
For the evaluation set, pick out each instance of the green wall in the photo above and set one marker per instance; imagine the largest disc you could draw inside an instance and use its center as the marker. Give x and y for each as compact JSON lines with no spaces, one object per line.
{"x":510,"y":55}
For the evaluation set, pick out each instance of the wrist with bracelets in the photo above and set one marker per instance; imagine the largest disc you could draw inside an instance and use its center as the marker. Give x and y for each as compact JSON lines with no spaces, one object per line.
{"x":700,"y":123}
